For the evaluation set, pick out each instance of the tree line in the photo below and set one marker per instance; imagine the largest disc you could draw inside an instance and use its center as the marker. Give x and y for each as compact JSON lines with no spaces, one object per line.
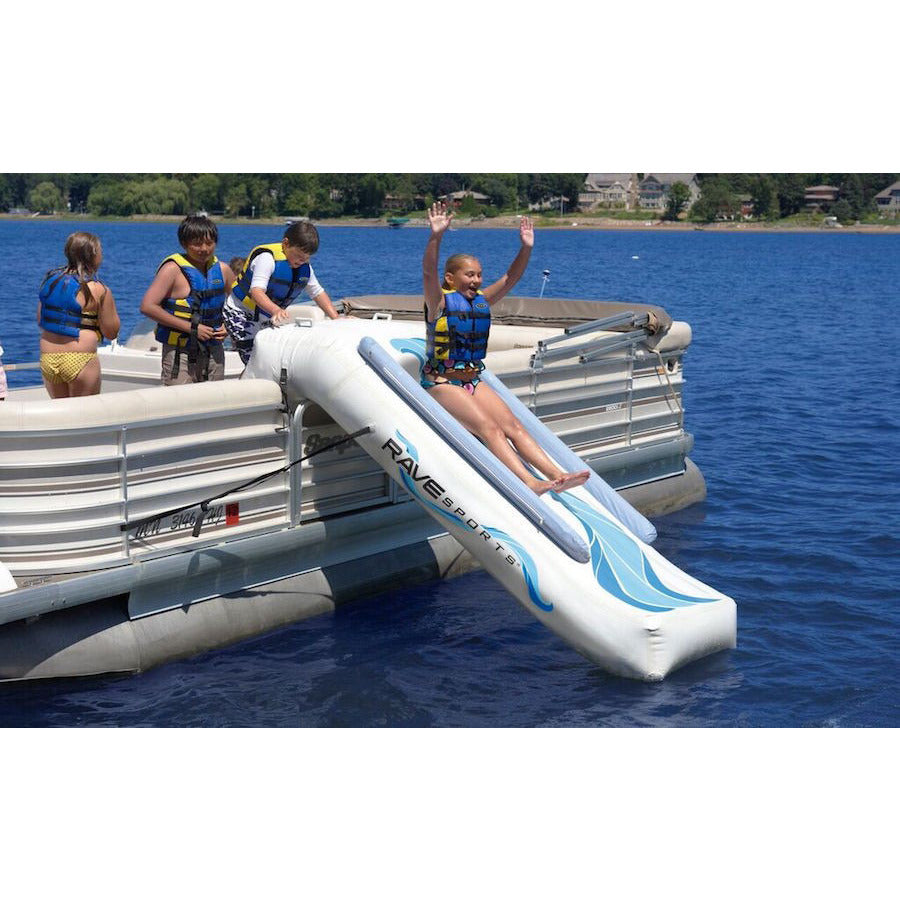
{"x":777,"y":196}
{"x":322,"y":196}
{"x":231,"y":195}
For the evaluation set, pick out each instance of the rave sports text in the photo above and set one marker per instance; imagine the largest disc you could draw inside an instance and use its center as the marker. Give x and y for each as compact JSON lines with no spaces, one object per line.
{"x":435,"y":490}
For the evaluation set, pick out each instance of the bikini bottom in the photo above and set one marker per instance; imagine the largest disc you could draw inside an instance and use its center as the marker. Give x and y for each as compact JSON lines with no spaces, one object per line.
{"x":63,"y":368}
{"x":434,"y":373}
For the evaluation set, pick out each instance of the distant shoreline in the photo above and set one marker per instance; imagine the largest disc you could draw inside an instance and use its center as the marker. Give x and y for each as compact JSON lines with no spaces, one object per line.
{"x":565,"y":224}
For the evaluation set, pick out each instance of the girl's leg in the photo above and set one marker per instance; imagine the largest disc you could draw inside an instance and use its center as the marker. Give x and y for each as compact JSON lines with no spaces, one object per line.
{"x":87,"y":381}
{"x":527,"y":447}
{"x":56,"y":389}
{"x":462,"y":406}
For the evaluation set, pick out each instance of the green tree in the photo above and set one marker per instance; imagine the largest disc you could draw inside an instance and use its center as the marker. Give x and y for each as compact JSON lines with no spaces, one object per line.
{"x":538,"y":188}
{"x":206,"y":191}
{"x":853,"y":192}
{"x":716,"y":199}
{"x":369,"y":194}
{"x":79,"y":189}
{"x":468,"y":206}
{"x":843,"y":211}
{"x":502,"y":189}
{"x":676,"y":200}
{"x":105,"y":199}
{"x":791,"y":189}
{"x":568,"y":185}
{"x":764,"y":196}
{"x":237,"y":202}
{"x":46,"y":198}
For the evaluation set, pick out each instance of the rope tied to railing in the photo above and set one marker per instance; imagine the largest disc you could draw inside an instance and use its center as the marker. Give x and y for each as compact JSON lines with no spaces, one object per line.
{"x":672,"y":391}
{"x":205,"y":504}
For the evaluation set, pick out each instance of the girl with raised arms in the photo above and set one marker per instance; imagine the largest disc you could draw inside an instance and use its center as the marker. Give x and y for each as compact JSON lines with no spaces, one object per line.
{"x":458,"y":321}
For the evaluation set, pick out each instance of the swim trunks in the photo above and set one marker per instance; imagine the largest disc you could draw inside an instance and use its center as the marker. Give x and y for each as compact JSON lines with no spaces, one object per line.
{"x":209,"y":365}
{"x":62,"y":368}
{"x":241,"y":329}
{"x":462,"y":374}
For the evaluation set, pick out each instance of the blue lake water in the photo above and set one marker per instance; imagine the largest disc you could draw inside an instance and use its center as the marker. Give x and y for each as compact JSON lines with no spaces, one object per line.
{"x":793,"y":398}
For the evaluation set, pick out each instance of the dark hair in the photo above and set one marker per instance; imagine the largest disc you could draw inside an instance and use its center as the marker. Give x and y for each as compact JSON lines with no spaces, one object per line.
{"x":304,"y":236}
{"x":236,"y":264}
{"x":196,"y":227}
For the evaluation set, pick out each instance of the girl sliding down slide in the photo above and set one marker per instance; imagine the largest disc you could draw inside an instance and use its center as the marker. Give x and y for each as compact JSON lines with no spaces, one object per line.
{"x":458,"y":321}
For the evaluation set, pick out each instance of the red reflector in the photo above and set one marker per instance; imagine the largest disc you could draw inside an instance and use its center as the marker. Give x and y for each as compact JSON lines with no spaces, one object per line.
{"x":232,"y":514}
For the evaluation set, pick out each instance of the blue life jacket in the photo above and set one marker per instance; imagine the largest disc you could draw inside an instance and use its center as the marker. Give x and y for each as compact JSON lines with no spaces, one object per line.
{"x":60,"y":311}
{"x":202,"y":306}
{"x":285,"y":284}
{"x":460,"y":332}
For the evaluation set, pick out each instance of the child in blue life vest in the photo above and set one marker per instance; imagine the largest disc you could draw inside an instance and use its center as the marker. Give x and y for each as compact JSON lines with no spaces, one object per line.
{"x":272,"y":278}
{"x":458,"y":321}
{"x":75,"y":309}
{"x":186,"y":298}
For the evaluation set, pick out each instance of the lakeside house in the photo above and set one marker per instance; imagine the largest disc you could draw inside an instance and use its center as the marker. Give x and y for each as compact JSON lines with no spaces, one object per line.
{"x":403,"y":202}
{"x":455,"y":198}
{"x":887,"y":202}
{"x":608,"y":191}
{"x":653,"y":189}
{"x":820,"y":197}
{"x":559,"y":203}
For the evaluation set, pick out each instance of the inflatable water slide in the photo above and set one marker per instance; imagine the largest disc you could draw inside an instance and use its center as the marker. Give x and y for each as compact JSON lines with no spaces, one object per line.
{"x":579,"y":561}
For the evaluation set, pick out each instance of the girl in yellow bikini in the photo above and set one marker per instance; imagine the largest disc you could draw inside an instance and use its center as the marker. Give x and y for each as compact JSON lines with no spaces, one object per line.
{"x":74,"y":311}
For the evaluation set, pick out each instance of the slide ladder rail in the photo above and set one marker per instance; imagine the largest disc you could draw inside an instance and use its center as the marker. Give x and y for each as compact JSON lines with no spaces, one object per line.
{"x":470,"y":449}
{"x":591,"y":350}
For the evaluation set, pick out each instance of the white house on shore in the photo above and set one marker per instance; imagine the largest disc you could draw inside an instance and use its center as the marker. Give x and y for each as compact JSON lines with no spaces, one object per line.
{"x":887,"y":202}
{"x":608,"y":191}
{"x":653,"y":189}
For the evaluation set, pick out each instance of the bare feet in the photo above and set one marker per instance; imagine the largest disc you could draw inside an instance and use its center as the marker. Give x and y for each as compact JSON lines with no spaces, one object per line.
{"x":565,"y":482}
{"x":570,"y":480}
{"x":541,"y":487}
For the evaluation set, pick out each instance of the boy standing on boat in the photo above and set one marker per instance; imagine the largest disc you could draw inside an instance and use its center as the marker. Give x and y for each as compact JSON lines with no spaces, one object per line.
{"x":272,"y":278}
{"x":186,"y":299}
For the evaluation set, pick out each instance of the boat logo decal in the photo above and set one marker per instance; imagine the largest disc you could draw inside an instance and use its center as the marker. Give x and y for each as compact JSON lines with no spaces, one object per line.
{"x":620,"y":565}
{"x":432,"y":494}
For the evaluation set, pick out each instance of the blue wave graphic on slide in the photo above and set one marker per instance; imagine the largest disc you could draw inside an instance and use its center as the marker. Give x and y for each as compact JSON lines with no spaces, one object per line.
{"x":415,"y":346}
{"x":620,"y":565}
{"x":529,"y":569}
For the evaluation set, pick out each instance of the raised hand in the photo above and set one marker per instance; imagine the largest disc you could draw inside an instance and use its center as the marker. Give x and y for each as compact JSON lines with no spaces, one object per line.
{"x":439,"y":218}
{"x":526,"y":232}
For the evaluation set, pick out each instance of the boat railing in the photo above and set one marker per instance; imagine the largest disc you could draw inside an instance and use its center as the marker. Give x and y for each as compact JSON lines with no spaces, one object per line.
{"x":96,"y":485}
{"x":339,"y":480}
{"x":20,"y":367}
{"x":591,"y":350}
{"x":608,"y":394}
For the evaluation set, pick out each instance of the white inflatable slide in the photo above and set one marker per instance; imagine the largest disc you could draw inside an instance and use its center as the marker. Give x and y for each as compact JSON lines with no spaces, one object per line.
{"x":573,"y":559}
